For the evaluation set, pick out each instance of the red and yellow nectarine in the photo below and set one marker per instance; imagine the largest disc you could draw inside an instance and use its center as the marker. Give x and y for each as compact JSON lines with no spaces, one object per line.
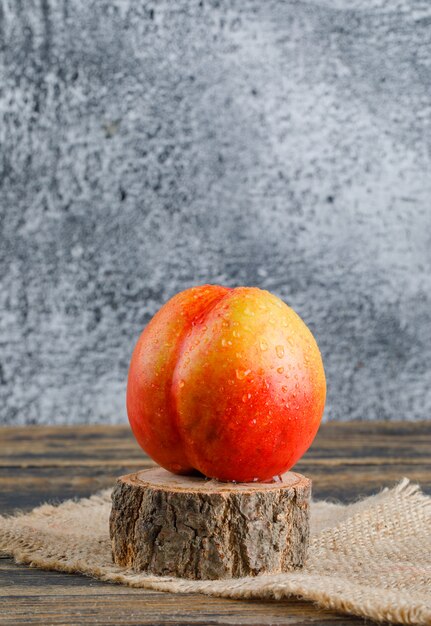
{"x":229,"y":382}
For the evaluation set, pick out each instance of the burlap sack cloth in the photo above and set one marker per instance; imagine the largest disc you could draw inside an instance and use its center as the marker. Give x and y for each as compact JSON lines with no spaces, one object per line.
{"x":371,"y":558}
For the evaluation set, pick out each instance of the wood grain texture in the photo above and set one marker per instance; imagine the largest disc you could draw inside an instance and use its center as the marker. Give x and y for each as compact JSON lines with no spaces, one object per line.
{"x":346,"y":461}
{"x":29,"y":596}
{"x":189,"y":527}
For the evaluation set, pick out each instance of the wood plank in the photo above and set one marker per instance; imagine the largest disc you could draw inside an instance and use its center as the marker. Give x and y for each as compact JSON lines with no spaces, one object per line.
{"x":343,"y":483}
{"x":30,"y":596}
{"x":87,"y":444}
{"x":346,"y":461}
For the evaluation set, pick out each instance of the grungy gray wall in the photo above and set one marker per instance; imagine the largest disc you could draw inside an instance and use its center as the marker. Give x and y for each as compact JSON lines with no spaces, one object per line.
{"x":149,"y":146}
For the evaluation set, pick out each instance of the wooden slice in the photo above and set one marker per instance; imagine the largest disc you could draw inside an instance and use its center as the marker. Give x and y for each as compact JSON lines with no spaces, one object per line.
{"x":190,"y":527}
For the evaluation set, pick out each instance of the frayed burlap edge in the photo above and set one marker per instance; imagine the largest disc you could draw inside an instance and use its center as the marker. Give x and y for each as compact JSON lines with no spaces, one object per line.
{"x":371,"y":558}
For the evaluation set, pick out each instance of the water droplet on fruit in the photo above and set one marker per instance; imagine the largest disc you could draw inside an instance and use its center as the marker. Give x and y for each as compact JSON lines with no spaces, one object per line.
{"x":280,"y":351}
{"x":224,"y":343}
{"x":181,"y":383}
{"x":241,"y":374}
{"x":284,"y":389}
{"x":263,"y":345}
{"x":280,"y":370}
{"x":236,"y":333}
{"x":290,"y":341}
{"x":225,"y":324}
{"x":249,"y":312}
{"x":246,"y":397}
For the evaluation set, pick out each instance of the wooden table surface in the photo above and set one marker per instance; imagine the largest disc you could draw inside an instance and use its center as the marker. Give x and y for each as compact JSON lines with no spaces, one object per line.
{"x":39,"y":464}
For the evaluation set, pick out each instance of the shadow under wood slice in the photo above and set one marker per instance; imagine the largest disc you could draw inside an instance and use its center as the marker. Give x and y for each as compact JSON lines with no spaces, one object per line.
{"x":194,"y":528}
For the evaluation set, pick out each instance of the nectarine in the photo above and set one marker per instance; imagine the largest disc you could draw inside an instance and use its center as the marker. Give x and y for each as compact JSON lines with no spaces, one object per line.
{"x":229,"y":382}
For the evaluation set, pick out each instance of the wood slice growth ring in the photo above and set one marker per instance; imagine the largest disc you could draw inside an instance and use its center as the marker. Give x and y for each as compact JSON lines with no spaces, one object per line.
{"x":189,"y":527}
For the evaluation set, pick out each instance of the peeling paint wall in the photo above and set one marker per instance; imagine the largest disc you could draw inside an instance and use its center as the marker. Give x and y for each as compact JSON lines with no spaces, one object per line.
{"x":149,"y":146}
